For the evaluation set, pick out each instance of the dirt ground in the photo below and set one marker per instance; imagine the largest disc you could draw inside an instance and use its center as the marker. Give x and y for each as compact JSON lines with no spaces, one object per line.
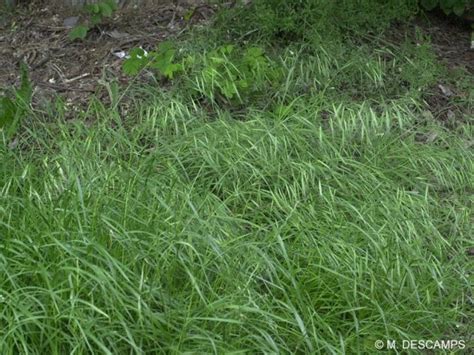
{"x":38,"y":35}
{"x":450,"y":38}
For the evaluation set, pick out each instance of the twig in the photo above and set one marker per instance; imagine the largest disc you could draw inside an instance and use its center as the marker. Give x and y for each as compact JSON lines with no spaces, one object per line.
{"x":67,"y":81}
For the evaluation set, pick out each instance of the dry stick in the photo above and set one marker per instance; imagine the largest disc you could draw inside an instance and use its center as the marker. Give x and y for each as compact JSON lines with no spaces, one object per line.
{"x":84,"y":75}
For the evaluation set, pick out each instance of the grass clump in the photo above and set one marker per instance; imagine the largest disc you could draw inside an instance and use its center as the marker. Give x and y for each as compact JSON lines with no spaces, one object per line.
{"x":300,"y":20}
{"x":272,"y":234}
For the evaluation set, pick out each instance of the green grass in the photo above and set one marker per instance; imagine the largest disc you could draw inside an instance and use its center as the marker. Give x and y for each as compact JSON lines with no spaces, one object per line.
{"x":272,"y":234}
{"x":331,"y":212}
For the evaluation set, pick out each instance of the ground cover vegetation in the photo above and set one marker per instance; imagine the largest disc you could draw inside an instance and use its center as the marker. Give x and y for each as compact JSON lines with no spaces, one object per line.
{"x":276,"y":185}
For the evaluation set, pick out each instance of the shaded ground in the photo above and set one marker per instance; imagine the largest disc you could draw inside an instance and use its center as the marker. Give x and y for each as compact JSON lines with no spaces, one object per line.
{"x":450,"y":38}
{"x":39,"y":37}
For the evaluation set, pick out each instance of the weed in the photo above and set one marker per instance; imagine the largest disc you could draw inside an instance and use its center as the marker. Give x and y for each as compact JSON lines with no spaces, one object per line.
{"x":297,"y":20}
{"x":162,"y":61}
{"x":226,"y":74}
{"x":458,"y":7}
{"x":95,"y":12}
{"x":230,"y":74}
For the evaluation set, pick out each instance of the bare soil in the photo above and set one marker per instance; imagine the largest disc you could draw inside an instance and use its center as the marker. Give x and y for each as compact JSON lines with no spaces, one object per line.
{"x":450,"y":38}
{"x":38,"y":36}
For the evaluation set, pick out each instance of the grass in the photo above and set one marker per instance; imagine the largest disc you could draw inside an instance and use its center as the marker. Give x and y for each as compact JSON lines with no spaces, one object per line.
{"x":317,"y":222}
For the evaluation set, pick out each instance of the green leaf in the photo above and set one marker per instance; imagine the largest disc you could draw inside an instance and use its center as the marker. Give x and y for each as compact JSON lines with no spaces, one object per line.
{"x":450,"y":3}
{"x":79,"y":32}
{"x":447,"y":6}
{"x":229,"y":90}
{"x":105,"y":9}
{"x":166,"y":46}
{"x":429,"y":4}
{"x":168,"y":55}
{"x":133,"y":65}
{"x":96,"y":19}
{"x":171,"y":69}
{"x":92,"y":8}
{"x":228,"y":49}
{"x":137,"y":52}
{"x":112,"y":3}
{"x":254,"y":52}
{"x":459,"y":9}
